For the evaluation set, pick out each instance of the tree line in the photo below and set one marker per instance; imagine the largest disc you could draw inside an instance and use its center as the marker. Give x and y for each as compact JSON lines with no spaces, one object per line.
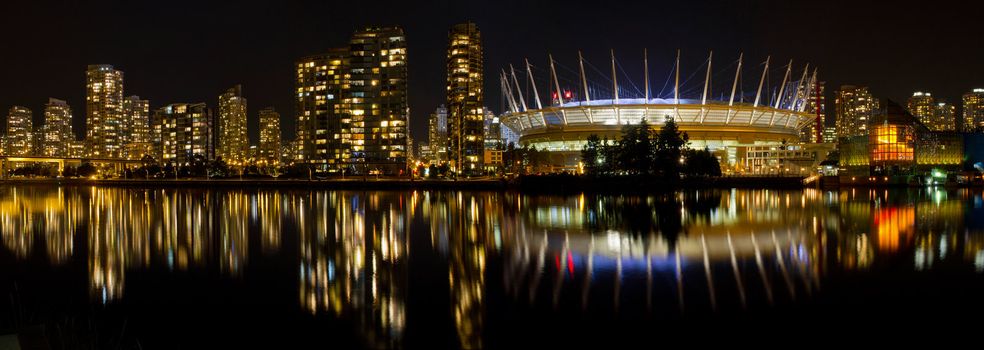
{"x":643,"y":151}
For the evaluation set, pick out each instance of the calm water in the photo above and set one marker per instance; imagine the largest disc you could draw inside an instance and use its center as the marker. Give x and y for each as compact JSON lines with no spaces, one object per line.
{"x":93,"y":267}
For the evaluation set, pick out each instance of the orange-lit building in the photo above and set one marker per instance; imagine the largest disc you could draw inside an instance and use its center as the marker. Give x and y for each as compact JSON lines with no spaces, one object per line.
{"x":899,"y":147}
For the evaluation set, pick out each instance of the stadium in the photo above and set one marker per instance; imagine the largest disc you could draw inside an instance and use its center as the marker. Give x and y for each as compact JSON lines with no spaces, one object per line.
{"x":727,"y":119}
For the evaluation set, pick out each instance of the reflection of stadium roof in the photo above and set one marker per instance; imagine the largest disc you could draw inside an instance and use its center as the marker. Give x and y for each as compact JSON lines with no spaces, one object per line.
{"x":715,"y":244}
{"x":758,"y":260}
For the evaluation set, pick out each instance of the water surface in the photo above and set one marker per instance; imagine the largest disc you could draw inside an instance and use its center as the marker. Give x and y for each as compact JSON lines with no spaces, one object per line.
{"x":103,"y":267}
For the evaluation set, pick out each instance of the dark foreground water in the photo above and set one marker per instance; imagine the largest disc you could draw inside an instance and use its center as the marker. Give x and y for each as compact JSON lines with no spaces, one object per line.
{"x":93,"y":267}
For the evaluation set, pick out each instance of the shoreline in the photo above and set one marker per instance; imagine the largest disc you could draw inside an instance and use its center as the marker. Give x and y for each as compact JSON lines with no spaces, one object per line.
{"x":563,"y":184}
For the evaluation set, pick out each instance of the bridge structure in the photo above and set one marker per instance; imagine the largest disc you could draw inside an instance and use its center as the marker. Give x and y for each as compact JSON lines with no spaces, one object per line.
{"x":7,"y":162}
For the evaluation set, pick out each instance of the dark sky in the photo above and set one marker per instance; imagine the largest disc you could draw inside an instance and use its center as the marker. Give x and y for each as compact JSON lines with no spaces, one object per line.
{"x":191,"y":51}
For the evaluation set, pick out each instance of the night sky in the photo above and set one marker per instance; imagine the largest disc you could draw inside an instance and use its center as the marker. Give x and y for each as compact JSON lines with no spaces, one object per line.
{"x":176,"y":51}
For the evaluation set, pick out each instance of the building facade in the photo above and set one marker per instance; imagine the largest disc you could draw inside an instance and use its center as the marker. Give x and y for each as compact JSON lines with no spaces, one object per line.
{"x":232,"y":141}
{"x":945,"y":117}
{"x":437,"y":133}
{"x":817,"y":106}
{"x":135,"y":134}
{"x":186,"y":131}
{"x":465,"y":100}
{"x":789,"y":160}
{"x":899,"y":146}
{"x":508,"y":135}
{"x":922,"y":105}
{"x":853,"y":107}
{"x":378,"y":98}
{"x":20,"y":132}
{"x":57,"y":129}
{"x":352,"y":105}
{"x":104,"y":111}
{"x":830,"y":133}
{"x":320,"y":80}
{"x":492,"y":132}
{"x":268,"y":152}
{"x":973,"y":111}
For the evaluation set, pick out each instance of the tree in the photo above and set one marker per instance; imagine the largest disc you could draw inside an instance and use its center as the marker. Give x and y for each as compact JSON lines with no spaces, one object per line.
{"x":148,"y":166}
{"x":609,"y":153}
{"x":635,"y":149}
{"x":218,"y":168}
{"x":669,"y":148}
{"x":199,"y":165}
{"x":432,"y":171}
{"x":86,"y":170}
{"x":70,"y":171}
{"x":591,"y":154}
{"x":700,"y":163}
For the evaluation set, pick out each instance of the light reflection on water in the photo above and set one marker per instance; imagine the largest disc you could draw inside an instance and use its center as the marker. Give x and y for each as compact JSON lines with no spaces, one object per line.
{"x":690,"y":252}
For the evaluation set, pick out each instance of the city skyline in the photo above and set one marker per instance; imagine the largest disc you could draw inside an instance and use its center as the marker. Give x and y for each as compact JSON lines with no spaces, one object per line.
{"x":156,"y":74}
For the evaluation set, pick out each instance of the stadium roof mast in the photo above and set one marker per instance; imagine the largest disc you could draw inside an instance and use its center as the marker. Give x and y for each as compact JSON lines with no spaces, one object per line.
{"x":618,"y":116}
{"x":645,"y":71}
{"x":782,"y":87}
{"x":734,"y":86}
{"x":584,"y":80}
{"x":507,"y":91}
{"x":801,"y":94}
{"x":707,"y":80}
{"x":758,"y":93}
{"x":560,"y":94}
{"x":676,"y":88}
{"x":518,"y":91}
{"x":536,"y":95}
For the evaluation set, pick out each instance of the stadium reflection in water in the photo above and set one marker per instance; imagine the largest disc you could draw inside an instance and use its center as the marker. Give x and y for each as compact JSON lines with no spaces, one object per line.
{"x":697,"y":251}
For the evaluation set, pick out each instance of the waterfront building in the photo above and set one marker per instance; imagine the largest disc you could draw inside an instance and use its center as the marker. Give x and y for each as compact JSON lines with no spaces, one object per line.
{"x":901,"y":146}
{"x":465,"y":99}
{"x":493,"y":160}
{"x":20,"y":132}
{"x":973,"y":111}
{"x":437,"y":132}
{"x":57,"y":129}
{"x":104,"y":111}
{"x":801,"y":159}
{"x":268,"y":152}
{"x":816,"y":106}
{"x":186,"y":131}
{"x":233,"y":143}
{"x":853,"y":108}
{"x":945,"y":117}
{"x":492,"y":131}
{"x":135,"y":133}
{"x":352,"y":105}
{"x":922,"y":105}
